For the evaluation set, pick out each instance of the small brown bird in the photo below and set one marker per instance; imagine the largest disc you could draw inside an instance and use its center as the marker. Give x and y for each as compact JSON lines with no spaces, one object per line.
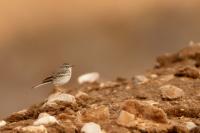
{"x":61,"y":77}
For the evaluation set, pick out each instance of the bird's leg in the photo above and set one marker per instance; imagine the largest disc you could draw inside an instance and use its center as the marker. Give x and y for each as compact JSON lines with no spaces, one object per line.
{"x":58,"y":89}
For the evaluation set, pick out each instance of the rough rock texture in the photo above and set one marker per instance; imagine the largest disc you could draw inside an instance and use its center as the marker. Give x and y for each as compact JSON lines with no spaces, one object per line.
{"x":135,"y":105}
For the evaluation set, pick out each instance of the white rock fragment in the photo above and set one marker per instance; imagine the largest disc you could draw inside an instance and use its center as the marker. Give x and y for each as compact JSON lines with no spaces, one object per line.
{"x":60,"y":97}
{"x":2,"y":123}
{"x":166,"y":78}
{"x":171,"y":92}
{"x":33,"y":129}
{"x":153,"y":76}
{"x":140,"y":79}
{"x":108,"y":84}
{"x":81,"y":94}
{"x":45,"y":119}
{"x":89,"y":78}
{"x":91,"y":128}
{"x":126,"y":119}
{"x":190,"y":125}
{"x":192,"y":43}
{"x":151,"y":102}
{"x":22,"y":111}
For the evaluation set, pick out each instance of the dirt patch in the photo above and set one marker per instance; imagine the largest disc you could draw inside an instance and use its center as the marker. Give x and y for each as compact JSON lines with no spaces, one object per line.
{"x":165,"y":99}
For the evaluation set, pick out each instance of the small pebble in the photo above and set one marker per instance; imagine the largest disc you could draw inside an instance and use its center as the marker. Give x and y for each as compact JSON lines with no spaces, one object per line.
{"x":108,"y":84}
{"x":166,"y":78}
{"x":91,"y":128}
{"x":153,"y":76}
{"x":171,"y":92}
{"x":45,"y":119}
{"x":140,"y":79}
{"x":32,"y":129}
{"x":126,"y":119}
{"x":81,"y":94}
{"x":2,"y":123}
{"x":190,"y":125}
{"x":151,"y":102}
{"x":60,"y":97}
{"x":89,"y":78}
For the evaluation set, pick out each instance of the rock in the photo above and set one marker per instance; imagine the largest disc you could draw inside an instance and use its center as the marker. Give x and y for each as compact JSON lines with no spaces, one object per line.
{"x":60,"y":97}
{"x":91,"y":128}
{"x":189,"y":72}
{"x":129,"y":120}
{"x":151,"y":102}
{"x":171,"y":92}
{"x":167,"y":59}
{"x":126,"y":119}
{"x":198,"y":96}
{"x":153,"y":76}
{"x":32,"y":129}
{"x":166,"y":78}
{"x":108,"y":84}
{"x":2,"y":123}
{"x":190,"y":125}
{"x":45,"y":119}
{"x":81,"y":94}
{"x":195,"y":130}
{"x":89,"y":78}
{"x":140,"y":79}
{"x":145,"y":111}
{"x":96,"y":113}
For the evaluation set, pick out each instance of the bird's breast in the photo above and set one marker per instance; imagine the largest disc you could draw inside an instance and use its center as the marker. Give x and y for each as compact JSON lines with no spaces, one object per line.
{"x":61,"y":80}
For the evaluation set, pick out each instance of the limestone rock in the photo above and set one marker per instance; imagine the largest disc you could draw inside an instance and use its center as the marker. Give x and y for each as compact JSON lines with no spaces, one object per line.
{"x":32,"y":129}
{"x":45,"y":119}
{"x":2,"y":123}
{"x":190,"y":125}
{"x":145,"y":111}
{"x":126,"y":119}
{"x":91,"y":128}
{"x":140,"y":79}
{"x":96,"y":113}
{"x":89,"y":78}
{"x":59,"y":97}
{"x":171,"y":92}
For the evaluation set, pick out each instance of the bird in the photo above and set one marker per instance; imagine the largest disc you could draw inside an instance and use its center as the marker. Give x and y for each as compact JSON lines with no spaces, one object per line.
{"x":60,"y":77}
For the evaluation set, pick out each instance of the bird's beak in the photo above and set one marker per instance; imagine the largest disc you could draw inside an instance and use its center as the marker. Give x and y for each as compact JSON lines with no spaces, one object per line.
{"x":72,"y":65}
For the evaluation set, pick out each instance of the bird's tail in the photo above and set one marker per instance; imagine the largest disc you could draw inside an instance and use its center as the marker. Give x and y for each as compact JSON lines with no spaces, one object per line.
{"x":34,"y":87}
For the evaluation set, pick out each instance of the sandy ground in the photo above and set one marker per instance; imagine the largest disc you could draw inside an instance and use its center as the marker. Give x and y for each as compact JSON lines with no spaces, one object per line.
{"x":165,"y":99}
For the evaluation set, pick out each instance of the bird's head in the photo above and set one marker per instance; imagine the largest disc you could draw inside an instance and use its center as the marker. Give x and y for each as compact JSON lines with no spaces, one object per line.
{"x":67,"y":65}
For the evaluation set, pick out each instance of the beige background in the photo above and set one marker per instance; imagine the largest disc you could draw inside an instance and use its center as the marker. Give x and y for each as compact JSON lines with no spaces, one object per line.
{"x":112,"y":37}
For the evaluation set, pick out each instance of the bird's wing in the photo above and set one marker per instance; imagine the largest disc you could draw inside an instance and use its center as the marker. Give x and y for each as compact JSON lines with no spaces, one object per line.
{"x":48,"y":79}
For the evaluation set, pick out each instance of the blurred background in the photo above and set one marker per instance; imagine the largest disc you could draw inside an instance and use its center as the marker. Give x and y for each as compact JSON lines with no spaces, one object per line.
{"x":112,"y":37}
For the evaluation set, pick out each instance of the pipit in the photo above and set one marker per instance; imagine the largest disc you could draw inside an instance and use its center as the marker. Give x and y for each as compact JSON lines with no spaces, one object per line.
{"x":61,"y":77}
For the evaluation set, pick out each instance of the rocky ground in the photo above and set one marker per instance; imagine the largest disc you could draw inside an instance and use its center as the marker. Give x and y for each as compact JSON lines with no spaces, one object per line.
{"x":164,"y":99}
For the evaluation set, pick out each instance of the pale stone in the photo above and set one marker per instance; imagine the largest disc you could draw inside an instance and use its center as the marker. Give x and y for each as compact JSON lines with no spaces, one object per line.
{"x":81,"y":94}
{"x":91,"y":128}
{"x":171,"y":92}
{"x":98,"y":113}
{"x":32,"y":129}
{"x":166,"y":78}
{"x":190,"y":125}
{"x":140,"y":79}
{"x":45,"y":119}
{"x":22,"y":111}
{"x":151,"y":102}
{"x":2,"y":123}
{"x":89,"y":78}
{"x":149,"y":112}
{"x":60,"y":97}
{"x":126,"y":119}
{"x":153,"y":76}
{"x":108,"y":84}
